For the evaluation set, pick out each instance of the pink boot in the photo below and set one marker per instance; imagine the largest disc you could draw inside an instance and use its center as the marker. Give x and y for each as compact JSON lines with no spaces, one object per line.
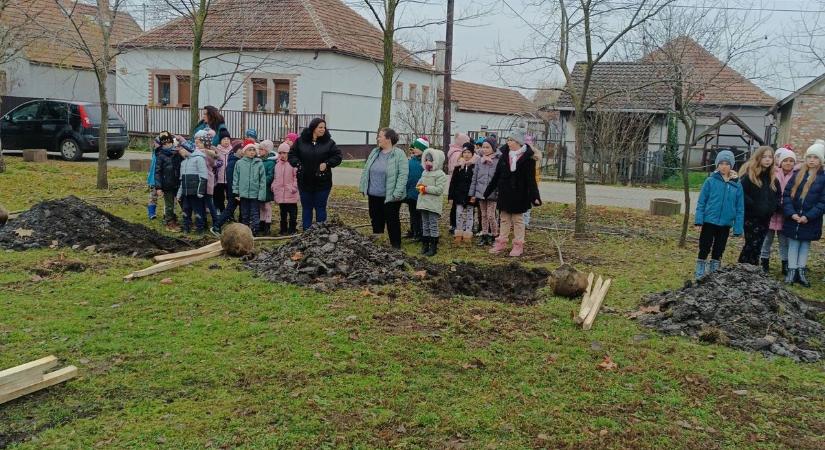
{"x":499,"y":246}
{"x":518,"y":248}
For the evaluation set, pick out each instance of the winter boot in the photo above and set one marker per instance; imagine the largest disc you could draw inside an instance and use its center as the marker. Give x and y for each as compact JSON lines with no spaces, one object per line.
{"x":701,"y":265}
{"x":784,"y":267}
{"x":714,"y":265}
{"x":801,"y":277}
{"x":790,"y":277}
{"x":766,"y":264}
{"x":425,"y":244}
{"x":468,"y":237}
{"x":152,"y":211}
{"x":518,"y":249}
{"x":433,"y":250}
{"x":266,"y":228}
{"x":410,"y":234}
{"x":482,"y":241}
{"x":499,"y":246}
{"x":459,"y":238}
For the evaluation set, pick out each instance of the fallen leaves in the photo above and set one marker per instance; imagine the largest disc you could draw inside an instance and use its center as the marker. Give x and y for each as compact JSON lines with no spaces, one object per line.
{"x":166,"y":281}
{"x":23,"y":232}
{"x":297,"y":256}
{"x":607,"y":364}
{"x":475,"y":363}
{"x":644,"y":310}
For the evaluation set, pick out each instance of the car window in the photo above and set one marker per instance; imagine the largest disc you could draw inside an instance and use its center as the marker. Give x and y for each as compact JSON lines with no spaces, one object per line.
{"x":54,"y":111}
{"x":26,"y":112}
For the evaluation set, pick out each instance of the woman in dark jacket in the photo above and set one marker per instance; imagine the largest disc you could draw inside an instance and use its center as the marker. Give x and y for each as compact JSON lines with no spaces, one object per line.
{"x":515,"y":179}
{"x":212,"y":119}
{"x":761,"y":192}
{"x":803,"y":205}
{"x":314,"y":154}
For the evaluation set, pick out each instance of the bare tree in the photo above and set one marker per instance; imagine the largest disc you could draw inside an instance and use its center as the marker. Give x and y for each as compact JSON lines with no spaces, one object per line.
{"x":588,"y":30}
{"x":419,"y":118}
{"x":616,"y":138}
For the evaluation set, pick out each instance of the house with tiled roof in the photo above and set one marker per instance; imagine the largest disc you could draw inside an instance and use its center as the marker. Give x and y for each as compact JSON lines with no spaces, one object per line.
{"x":800,"y":117}
{"x":294,"y":57}
{"x":49,"y":65}
{"x":641,"y":88}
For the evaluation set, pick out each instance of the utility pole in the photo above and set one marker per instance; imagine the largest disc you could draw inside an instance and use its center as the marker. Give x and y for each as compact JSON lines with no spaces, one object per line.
{"x":448,"y":77}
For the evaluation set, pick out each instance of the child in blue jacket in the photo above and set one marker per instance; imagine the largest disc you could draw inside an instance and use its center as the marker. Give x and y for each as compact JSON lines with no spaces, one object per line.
{"x":721,"y":206}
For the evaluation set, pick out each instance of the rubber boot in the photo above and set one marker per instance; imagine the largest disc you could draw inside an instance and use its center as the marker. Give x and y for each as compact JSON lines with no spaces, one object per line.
{"x":766,"y":264}
{"x":790,"y":277}
{"x":498,"y":246}
{"x":714,"y":265}
{"x":701,"y":265}
{"x":784,"y":267}
{"x":802,"y":278}
{"x":152,"y":211}
{"x":425,"y":244}
{"x":518,"y":249}
{"x":433,"y":247}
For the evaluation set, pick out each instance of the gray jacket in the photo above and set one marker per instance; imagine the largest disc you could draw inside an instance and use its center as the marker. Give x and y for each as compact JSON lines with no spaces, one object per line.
{"x":482,"y":175}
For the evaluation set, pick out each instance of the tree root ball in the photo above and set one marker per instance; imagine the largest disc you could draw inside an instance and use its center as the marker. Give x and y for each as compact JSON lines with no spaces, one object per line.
{"x":237,"y":240}
{"x":569,"y":282}
{"x":4,"y":216}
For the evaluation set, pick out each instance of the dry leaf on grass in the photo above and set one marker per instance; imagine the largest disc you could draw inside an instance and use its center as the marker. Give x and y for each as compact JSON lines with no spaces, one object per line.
{"x":607,"y":364}
{"x":643,"y":311}
{"x":297,"y":256}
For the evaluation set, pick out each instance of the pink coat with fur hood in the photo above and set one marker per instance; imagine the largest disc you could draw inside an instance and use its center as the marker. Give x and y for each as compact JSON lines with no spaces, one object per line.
{"x":778,"y":218}
{"x":454,"y":153}
{"x":285,"y":184}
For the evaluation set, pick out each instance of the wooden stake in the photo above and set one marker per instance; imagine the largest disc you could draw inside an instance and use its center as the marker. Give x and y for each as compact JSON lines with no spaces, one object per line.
{"x":179,"y":255}
{"x":597,"y":304}
{"x":11,"y":379}
{"x":585,"y":299}
{"x":44,"y":381}
{"x":166,"y":265}
{"x":591,"y":297}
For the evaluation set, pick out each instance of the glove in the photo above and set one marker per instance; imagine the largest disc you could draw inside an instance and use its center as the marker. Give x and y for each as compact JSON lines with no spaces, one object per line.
{"x":218,"y":163}
{"x":421,"y":189}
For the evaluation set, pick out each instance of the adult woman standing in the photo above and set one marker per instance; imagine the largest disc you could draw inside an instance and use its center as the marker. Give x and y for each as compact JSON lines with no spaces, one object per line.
{"x":384,"y":182}
{"x":314,"y":154}
{"x":211,"y":118}
{"x":761,"y":198}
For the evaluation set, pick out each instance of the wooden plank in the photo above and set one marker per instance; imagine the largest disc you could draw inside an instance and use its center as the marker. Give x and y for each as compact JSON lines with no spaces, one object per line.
{"x":205,"y":249}
{"x":597,"y":304}
{"x":49,"y":379}
{"x":167,"y":265}
{"x":25,"y":371}
{"x":594,"y":291}
{"x":586,"y":296}
{"x":274,"y":238}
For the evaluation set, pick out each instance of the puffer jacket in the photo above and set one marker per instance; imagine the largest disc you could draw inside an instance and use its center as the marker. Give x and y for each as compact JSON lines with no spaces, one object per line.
{"x":484,"y":170}
{"x":435,"y":181}
{"x":760,"y":202}
{"x":307,"y":158}
{"x":460,"y":184}
{"x":249,"y":179}
{"x":517,"y":190}
{"x":231,"y":160}
{"x":269,"y":170}
{"x":415,"y":170}
{"x":778,"y":217}
{"x":221,"y":163}
{"x":721,"y":203}
{"x":193,"y":175}
{"x":285,"y":185}
{"x":396,"y":179}
{"x":812,"y":206}
{"x":454,"y":152}
{"x":167,"y":169}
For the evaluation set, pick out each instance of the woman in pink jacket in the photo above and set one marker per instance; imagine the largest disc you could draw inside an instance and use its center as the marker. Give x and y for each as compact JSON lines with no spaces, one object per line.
{"x":785,"y":160}
{"x":285,"y":188}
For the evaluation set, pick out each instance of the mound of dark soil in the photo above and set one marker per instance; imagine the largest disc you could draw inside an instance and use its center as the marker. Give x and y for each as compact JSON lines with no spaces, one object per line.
{"x":71,"y":222}
{"x":331,"y":256}
{"x":741,"y":307}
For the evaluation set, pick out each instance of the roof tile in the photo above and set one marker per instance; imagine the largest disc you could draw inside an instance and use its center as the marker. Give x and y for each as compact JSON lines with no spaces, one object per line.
{"x":489,"y":99}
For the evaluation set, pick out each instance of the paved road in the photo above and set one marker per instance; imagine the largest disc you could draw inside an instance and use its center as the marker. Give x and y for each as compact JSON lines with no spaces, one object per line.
{"x":625,"y":197}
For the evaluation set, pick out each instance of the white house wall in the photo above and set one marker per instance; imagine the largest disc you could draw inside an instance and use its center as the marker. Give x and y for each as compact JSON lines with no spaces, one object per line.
{"x":24,"y":79}
{"x":465,"y":121}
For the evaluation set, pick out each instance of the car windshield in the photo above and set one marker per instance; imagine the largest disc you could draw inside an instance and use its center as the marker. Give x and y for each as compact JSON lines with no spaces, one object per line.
{"x":94,"y":113}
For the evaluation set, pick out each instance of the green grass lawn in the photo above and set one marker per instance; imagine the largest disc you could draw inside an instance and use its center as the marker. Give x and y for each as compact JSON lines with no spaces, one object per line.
{"x":354,"y":164}
{"x":695,"y":179}
{"x":221,"y":359}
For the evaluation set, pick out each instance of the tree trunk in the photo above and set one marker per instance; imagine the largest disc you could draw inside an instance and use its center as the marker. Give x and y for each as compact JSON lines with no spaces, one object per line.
{"x":689,"y":125}
{"x":581,"y":189}
{"x":388,"y":74}
{"x":195,"y":77}
{"x":448,"y":79}
{"x":103,"y":142}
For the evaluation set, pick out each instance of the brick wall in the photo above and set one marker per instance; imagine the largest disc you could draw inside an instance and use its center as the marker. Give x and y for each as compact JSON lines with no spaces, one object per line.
{"x":808,"y":118}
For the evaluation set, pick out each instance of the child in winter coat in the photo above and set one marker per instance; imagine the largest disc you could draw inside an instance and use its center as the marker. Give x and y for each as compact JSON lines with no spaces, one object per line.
{"x":152,"y":206}
{"x":515,"y":179}
{"x":453,"y":156}
{"x":803,"y":204}
{"x":721,"y":205}
{"x":485,"y":168}
{"x":415,"y":169}
{"x":784,"y":160}
{"x":267,"y":155}
{"x":249,"y":186}
{"x":222,"y":151}
{"x":285,"y":189}
{"x":203,"y":141}
{"x":431,"y":188}
{"x":761,"y":193}
{"x":167,"y":177}
{"x":192,"y":190}
{"x":228,"y":213}
{"x":459,"y":193}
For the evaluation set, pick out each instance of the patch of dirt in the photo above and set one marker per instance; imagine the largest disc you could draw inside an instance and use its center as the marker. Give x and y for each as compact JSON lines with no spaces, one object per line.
{"x":59,"y":265}
{"x":332,"y":256}
{"x":71,"y":222}
{"x":741,"y":307}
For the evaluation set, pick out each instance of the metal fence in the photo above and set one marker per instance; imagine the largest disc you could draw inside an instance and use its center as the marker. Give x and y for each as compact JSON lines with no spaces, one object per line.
{"x":146,"y":120}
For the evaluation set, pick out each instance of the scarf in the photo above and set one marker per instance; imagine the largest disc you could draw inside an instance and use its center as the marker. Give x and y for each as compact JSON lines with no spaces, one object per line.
{"x":515,"y":155}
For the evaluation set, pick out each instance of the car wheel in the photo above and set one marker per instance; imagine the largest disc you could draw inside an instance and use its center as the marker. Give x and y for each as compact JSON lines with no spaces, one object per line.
{"x":116,"y":154}
{"x":69,"y":150}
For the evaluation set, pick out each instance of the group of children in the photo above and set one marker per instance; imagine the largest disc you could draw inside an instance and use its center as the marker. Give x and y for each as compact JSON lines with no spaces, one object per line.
{"x":246,"y":175}
{"x":775,"y":196}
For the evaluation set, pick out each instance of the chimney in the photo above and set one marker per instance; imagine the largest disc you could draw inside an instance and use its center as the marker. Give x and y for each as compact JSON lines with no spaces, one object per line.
{"x":440,"y":55}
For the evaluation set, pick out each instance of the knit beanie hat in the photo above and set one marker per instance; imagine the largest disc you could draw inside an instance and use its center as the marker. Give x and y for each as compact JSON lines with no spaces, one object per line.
{"x":782,"y":154}
{"x":252,"y":146}
{"x":248,"y":142}
{"x":251,"y":133}
{"x":292,"y":137}
{"x":726,"y":156}
{"x":268,"y":145}
{"x":421,"y":144}
{"x":817,"y":149}
{"x":492,"y":143}
{"x":480,"y":140}
{"x":224,"y":133}
{"x":517,"y":135}
{"x":468,"y":146}
{"x":165,"y":137}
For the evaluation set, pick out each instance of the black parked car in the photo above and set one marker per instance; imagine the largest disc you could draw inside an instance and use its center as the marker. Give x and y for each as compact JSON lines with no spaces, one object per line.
{"x":70,"y":128}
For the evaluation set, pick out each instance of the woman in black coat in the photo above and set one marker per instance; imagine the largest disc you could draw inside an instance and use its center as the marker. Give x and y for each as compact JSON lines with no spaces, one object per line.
{"x":518,"y":191}
{"x":314,"y":154}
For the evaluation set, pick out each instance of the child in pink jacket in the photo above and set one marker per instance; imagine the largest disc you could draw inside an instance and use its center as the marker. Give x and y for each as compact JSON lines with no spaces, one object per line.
{"x":285,"y":188}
